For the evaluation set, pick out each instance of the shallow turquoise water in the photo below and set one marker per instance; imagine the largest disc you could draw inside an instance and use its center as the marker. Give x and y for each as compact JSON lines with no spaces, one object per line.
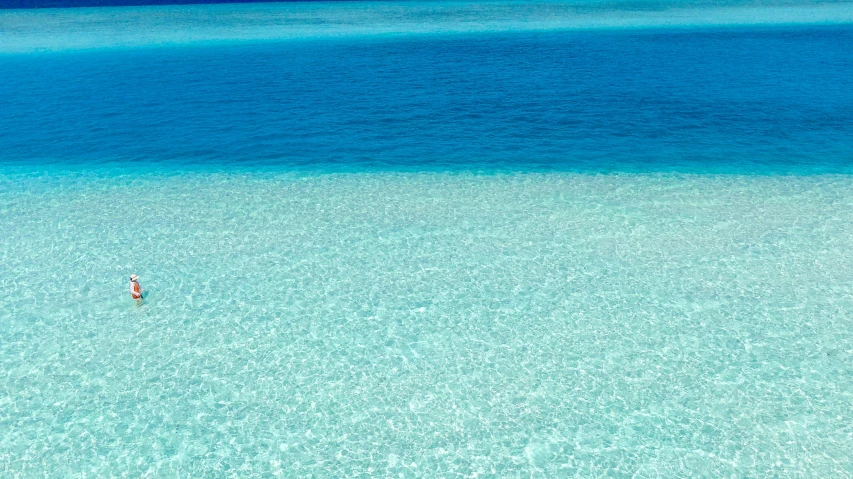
{"x":427,"y":324}
{"x":429,"y":239}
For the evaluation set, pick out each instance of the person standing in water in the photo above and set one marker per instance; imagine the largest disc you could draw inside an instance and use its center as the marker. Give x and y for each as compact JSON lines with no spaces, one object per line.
{"x":135,"y":289}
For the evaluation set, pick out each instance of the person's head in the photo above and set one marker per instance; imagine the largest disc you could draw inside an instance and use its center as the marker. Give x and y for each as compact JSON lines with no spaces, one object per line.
{"x":134,"y":278}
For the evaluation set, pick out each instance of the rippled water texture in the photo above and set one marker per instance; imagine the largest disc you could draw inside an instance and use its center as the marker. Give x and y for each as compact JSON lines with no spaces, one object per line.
{"x":376,"y":324}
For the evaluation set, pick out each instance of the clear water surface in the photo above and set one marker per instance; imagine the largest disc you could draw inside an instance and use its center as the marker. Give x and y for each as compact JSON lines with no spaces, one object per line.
{"x":427,"y":240}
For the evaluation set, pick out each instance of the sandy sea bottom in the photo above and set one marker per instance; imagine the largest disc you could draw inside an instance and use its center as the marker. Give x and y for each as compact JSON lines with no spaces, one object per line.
{"x":426,"y":324}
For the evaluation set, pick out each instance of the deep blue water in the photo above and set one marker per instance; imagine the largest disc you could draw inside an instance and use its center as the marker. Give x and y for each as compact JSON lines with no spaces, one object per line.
{"x":775,"y":98}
